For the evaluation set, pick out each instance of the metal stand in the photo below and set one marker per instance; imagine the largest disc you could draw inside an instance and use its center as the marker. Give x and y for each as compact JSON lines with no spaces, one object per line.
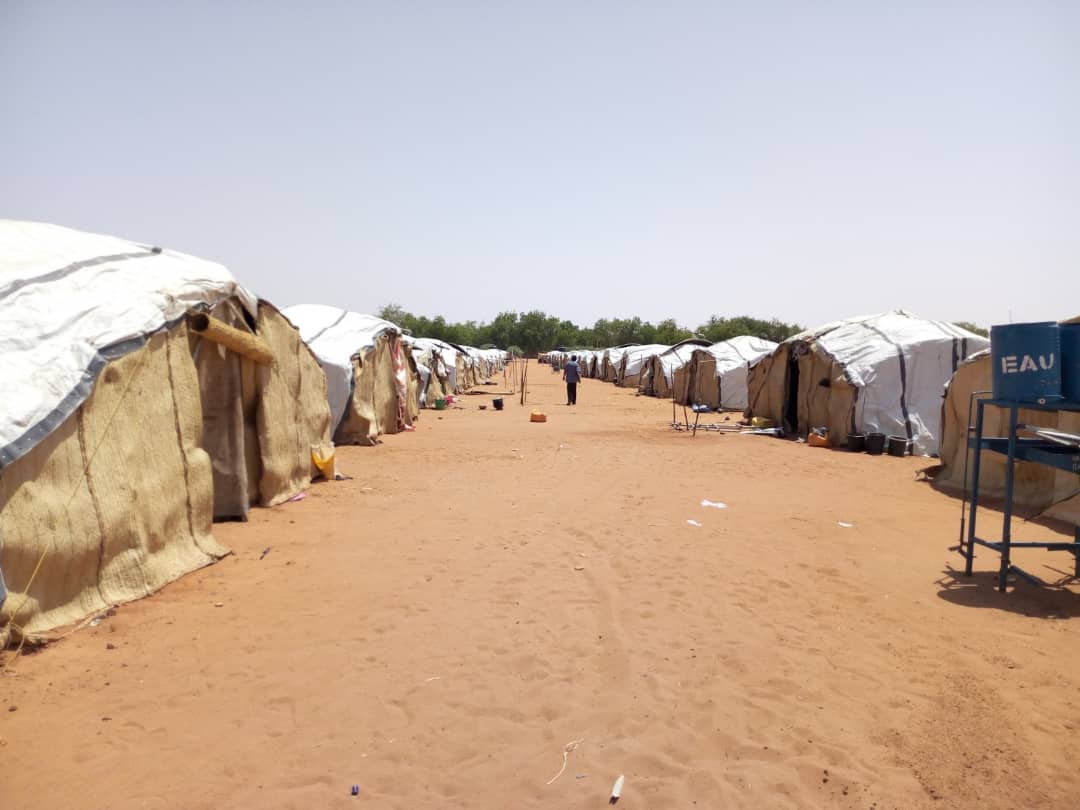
{"x":1014,"y":448}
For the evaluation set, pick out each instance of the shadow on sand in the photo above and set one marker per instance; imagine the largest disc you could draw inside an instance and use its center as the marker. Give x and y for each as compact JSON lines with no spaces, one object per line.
{"x":1057,"y":598}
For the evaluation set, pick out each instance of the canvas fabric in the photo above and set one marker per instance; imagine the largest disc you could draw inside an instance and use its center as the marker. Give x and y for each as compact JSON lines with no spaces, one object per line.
{"x":71,"y":302}
{"x":139,"y":518}
{"x":292,"y":413}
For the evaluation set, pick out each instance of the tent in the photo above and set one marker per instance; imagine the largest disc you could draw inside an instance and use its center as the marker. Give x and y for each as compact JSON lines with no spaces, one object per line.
{"x":634,"y":362}
{"x":1056,"y":492}
{"x":449,"y":364}
{"x":427,"y":363}
{"x":878,"y":373}
{"x":657,"y":377}
{"x":596,"y":363}
{"x":371,"y":378}
{"x":449,"y":369}
{"x":146,"y":394}
{"x":612,"y":361}
{"x":716,"y":375}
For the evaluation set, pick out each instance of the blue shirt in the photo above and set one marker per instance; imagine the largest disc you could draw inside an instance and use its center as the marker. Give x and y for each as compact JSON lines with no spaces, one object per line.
{"x":572,"y":371}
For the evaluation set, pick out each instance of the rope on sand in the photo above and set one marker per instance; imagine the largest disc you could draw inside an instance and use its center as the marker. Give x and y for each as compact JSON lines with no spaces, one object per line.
{"x":570,"y":746}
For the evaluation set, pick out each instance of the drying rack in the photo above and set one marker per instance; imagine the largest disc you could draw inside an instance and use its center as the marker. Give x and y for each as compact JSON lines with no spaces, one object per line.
{"x":694,"y":426}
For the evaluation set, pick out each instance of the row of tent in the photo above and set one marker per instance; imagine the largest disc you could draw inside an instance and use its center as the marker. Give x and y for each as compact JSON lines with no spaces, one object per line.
{"x":882,"y":373}
{"x":892,"y":373}
{"x":148,"y":394}
{"x":692,"y":372}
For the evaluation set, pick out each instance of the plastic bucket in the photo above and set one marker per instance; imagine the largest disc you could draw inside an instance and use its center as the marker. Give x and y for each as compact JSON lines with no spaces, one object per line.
{"x":875,"y":443}
{"x":1070,"y":361}
{"x":898,"y":445}
{"x":1025,"y":361}
{"x":856,"y":442}
{"x":440,"y":404}
{"x":497,"y":403}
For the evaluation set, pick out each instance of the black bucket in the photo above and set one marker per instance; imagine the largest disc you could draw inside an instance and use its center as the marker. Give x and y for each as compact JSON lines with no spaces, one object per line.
{"x":497,"y":403}
{"x":856,"y":442}
{"x":898,"y":445}
{"x":875,"y":443}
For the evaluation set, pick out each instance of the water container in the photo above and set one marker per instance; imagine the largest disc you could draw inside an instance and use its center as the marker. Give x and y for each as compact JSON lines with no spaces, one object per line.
{"x":1070,"y":361}
{"x":1025,"y":361}
{"x":875,"y":443}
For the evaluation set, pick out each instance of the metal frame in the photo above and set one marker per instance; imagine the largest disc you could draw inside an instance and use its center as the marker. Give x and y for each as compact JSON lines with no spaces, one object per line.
{"x":695,"y":426}
{"x":1014,"y":448}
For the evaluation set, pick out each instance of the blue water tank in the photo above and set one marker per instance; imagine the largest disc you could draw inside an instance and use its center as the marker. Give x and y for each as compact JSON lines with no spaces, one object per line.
{"x":1026,"y":361}
{"x":1070,"y":361}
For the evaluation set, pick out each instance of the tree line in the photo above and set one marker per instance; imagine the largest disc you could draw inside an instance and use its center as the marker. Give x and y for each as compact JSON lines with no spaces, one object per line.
{"x":535,"y":331}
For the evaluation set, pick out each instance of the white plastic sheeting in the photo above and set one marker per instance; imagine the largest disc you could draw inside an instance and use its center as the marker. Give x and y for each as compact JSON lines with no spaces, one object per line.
{"x":734,"y":358}
{"x":901,"y":363}
{"x":70,"y":302}
{"x":428,"y":356}
{"x":636,"y":357}
{"x":441,"y":357}
{"x":676,"y":357}
{"x":615,"y":354}
{"x":335,"y":335}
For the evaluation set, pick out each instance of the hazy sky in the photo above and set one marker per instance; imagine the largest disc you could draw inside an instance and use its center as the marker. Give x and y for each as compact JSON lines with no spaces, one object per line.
{"x":803,"y":160}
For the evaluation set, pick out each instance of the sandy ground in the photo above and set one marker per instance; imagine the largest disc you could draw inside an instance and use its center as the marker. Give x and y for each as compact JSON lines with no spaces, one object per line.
{"x":487,"y":591}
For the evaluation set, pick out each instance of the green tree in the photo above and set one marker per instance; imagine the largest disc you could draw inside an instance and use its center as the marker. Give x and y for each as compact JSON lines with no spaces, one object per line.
{"x":978,"y":330}
{"x":669,"y":333}
{"x":717,"y":328}
{"x":395,"y":313}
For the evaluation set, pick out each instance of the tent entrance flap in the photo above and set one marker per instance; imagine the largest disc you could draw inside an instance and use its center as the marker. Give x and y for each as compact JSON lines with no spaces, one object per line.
{"x":791,"y":402}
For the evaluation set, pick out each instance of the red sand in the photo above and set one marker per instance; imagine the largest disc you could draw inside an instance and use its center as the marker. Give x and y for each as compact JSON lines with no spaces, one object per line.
{"x":487,"y":590}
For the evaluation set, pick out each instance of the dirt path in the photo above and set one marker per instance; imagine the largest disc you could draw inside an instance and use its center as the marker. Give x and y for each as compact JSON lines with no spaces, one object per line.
{"x":487,"y":590}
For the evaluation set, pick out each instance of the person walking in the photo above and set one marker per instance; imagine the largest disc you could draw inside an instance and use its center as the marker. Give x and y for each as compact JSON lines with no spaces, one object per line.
{"x":572,"y":375}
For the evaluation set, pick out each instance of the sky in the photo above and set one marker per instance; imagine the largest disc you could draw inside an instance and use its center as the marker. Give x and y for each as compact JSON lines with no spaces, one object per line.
{"x":804,"y":161}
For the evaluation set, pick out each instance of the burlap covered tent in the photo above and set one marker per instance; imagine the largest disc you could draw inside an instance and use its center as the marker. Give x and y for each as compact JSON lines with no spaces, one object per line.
{"x":585,"y":361}
{"x":657,"y":376}
{"x":146,"y":392}
{"x":612,"y":360}
{"x":716,"y":375}
{"x":494,"y":361}
{"x":445,"y":362}
{"x":371,"y":378}
{"x":1035,"y":485}
{"x":633,"y":362}
{"x":594,"y":364}
{"x":879,"y":373}
{"x":426,"y":373}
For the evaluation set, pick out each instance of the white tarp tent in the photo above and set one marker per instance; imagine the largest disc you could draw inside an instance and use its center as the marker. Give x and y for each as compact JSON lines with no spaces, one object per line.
{"x":877,"y":373}
{"x":612,"y":360}
{"x":734,"y":358}
{"x":426,"y":363}
{"x":335,"y":335}
{"x":51,"y":321}
{"x":443,"y":354}
{"x":634,"y":359}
